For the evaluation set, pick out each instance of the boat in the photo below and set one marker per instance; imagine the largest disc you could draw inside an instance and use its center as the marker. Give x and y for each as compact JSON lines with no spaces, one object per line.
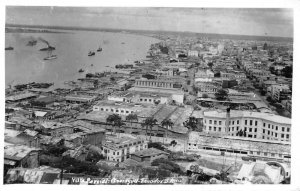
{"x":91,"y":53}
{"x":49,"y":48}
{"x":123,"y":42}
{"x":50,"y":56}
{"x":99,"y":49}
{"x":81,"y":70}
{"x":9,"y":48}
{"x":31,"y":43}
{"x":92,"y":64}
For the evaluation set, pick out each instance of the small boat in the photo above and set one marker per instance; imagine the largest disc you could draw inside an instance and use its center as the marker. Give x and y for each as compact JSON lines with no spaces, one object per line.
{"x":91,"y":53}
{"x":81,"y":70}
{"x":99,"y":49}
{"x":31,"y":43}
{"x":49,"y":48}
{"x":92,"y":64}
{"x":50,"y":57}
{"x":123,"y":42}
{"x":9,"y":48}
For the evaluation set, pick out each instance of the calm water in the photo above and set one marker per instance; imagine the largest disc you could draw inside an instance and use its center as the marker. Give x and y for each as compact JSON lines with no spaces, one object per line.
{"x":26,"y":64}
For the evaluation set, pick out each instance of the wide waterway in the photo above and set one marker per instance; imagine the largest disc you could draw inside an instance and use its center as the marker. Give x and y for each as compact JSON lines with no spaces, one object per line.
{"x":26,"y":63}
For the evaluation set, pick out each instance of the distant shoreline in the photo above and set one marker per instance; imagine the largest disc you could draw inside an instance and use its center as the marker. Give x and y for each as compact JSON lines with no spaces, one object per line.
{"x":148,"y":32}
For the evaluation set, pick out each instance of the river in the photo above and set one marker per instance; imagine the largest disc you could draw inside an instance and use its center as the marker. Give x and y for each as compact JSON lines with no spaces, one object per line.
{"x":26,"y":63}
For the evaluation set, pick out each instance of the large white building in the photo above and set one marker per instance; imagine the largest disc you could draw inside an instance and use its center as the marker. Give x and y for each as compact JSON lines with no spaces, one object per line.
{"x":256,"y":125}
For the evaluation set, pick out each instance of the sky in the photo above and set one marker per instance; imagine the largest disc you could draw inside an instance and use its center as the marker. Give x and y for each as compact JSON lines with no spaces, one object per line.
{"x":245,"y":21}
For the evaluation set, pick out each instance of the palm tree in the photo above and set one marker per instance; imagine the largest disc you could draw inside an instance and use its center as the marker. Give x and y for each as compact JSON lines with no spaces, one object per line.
{"x":167,"y":123}
{"x":131,"y":117}
{"x":149,"y":123}
{"x":115,"y":120}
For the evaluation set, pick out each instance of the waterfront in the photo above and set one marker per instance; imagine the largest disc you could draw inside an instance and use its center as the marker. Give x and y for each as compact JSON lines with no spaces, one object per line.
{"x":27,"y":64}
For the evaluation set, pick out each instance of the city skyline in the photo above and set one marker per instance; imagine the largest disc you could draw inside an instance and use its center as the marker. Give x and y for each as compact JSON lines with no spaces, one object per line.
{"x":243,"y":21}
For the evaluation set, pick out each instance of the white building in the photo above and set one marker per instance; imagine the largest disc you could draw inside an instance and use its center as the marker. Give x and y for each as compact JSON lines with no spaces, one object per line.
{"x":256,"y":125}
{"x":278,"y":90}
{"x":120,"y":149}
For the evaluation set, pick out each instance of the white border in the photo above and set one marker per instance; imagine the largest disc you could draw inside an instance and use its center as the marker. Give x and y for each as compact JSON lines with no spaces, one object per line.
{"x":186,"y":3}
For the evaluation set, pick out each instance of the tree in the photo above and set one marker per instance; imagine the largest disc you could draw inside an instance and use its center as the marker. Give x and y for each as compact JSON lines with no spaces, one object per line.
{"x":131,"y":117}
{"x":167,"y":123}
{"x":149,"y":123}
{"x":115,"y":120}
{"x":287,"y":71}
{"x":156,"y":145}
{"x":191,"y":123}
{"x":221,"y":94}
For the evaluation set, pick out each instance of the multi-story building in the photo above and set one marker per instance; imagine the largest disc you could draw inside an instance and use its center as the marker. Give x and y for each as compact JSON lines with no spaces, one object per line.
{"x":253,"y":124}
{"x":120,"y":149}
{"x":280,"y":91}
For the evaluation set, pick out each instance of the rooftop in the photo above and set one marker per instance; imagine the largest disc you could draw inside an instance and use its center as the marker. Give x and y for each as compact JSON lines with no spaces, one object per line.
{"x":20,"y":96}
{"x":250,"y":114}
{"x":17,"y":152}
{"x":149,"y":152}
{"x":53,"y":125}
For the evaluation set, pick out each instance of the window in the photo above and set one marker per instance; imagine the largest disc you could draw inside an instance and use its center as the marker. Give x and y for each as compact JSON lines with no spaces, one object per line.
{"x":122,"y":111}
{"x":238,"y":122}
{"x":220,"y":122}
{"x":280,"y":155}
{"x":258,"y":153}
{"x":275,"y":134}
{"x":245,"y":122}
{"x":250,"y":136}
{"x":117,"y":153}
{"x":263,"y":131}
{"x":288,"y":129}
{"x":141,"y":99}
{"x":220,"y":129}
{"x":282,"y":135}
{"x":287,"y":136}
{"x":210,"y":121}
{"x":264,"y":124}
{"x":101,"y":109}
{"x":150,"y":100}
{"x":250,"y":122}
{"x":232,"y":128}
{"x":269,"y":126}
{"x":250,"y":129}
{"x":263,"y":137}
{"x":112,"y":110}
{"x":114,"y":153}
{"x":251,"y":152}
{"x":266,"y":154}
{"x":210,"y":128}
{"x":276,"y":128}
{"x":106,"y":109}
{"x":229,"y":129}
{"x":215,"y":129}
{"x":232,"y":122}
{"x":145,"y":99}
{"x":268,"y":132}
{"x":215,"y":122}
{"x":272,"y":126}
{"x":117,"y":110}
{"x":272,"y":155}
{"x":254,"y":136}
{"x":237,"y":128}
{"x":127,"y":111}
{"x":255,"y":123}
{"x":245,"y":128}
{"x":255,"y":130}
{"x":272,"y":133}
{"x":282,"y":129}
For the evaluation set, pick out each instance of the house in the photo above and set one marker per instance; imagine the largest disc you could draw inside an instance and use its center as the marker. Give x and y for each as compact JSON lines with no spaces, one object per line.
{"x":56,"y":128}
{"x":28,"y":137}
{"x":20,"y":156}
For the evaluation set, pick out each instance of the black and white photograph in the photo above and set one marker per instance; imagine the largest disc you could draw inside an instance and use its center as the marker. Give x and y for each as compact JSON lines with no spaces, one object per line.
{"x":114,"y":95}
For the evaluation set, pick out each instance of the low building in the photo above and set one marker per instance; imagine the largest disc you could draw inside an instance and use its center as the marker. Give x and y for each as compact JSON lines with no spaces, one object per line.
{"x":56,"y":128}
{"x":148,"y":155}
{"x":280,"y":92}
{"x":79,"y":99}
{"x":20,"y":97}
{"x":20,"y":156}
{"x":266,"y":150}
